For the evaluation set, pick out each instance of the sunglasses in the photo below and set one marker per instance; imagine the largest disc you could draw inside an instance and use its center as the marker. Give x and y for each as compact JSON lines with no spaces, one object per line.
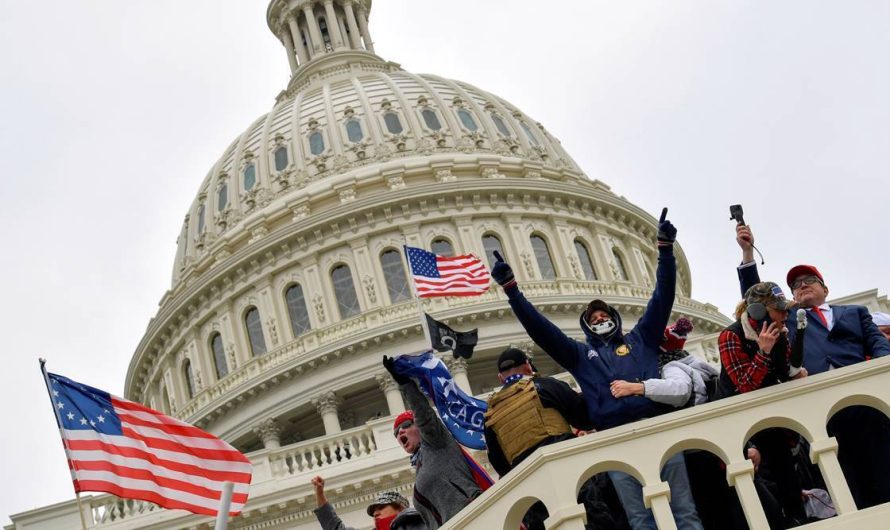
{"x":808,"y":280}
{"x":404,"y":425}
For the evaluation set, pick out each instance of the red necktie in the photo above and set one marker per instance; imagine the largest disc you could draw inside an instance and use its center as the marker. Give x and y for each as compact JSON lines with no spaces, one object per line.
{"x":821,"y":316}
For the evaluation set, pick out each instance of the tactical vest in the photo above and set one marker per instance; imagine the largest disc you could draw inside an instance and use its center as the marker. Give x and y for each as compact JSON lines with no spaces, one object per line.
{"x":520,"y":420}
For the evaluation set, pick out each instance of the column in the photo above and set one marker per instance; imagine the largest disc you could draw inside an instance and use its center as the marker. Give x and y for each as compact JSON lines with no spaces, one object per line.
{"x":333,"y":25}
{"x":568,"y":518}
{"x":354,"y":35}
{"x":297,"y":38}
{"x":314,"y":30}
{"x":390,"y":390}
{"x":269,"y":432}
{"x":289,"y":47}
{"x":363,"y":26}
{"x":824,"y":453}
{"x":741,"y":476}
{"x":327,"y":404}
{"x":657,"y":497}
{"x":458,"y":369}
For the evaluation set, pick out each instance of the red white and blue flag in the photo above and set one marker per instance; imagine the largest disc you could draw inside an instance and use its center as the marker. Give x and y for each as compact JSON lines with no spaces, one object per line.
{"x":436,"y":275}
{"x":127,"y":449}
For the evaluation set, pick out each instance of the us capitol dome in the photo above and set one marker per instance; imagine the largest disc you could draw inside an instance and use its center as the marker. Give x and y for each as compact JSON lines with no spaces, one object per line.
{"x":289,"y":283}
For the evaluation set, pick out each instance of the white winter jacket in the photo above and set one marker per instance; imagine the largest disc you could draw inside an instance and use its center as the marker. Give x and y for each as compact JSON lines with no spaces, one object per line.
{"x":680,"y":380}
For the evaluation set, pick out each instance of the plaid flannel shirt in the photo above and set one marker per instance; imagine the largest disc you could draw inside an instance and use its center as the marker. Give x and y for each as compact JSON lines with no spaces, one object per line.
{"x":746,"y":373}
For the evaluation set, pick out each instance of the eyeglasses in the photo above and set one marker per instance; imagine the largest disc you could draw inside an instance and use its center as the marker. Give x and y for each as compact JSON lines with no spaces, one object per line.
{"x":404,"y":425}
{"x":808,"y":280}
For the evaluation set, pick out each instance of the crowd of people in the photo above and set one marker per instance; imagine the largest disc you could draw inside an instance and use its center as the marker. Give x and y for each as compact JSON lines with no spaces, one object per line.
{"x":645,"y":372}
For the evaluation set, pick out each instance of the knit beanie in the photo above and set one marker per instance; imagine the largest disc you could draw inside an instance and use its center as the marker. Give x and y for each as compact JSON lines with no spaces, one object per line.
{"x":675,"y":336}
{"x":407,"y":415}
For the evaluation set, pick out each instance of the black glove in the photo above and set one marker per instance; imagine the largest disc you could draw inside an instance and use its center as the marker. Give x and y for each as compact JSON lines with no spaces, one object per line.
{"x":667,"y":234}
{"x":501,"y":272}
{"x":390,"y":364}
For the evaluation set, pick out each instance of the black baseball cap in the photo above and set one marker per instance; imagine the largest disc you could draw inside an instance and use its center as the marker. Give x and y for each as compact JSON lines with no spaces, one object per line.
{"x":511,"y":358}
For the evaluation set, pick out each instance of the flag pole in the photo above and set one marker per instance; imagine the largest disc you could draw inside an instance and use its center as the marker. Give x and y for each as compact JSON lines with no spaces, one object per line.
{"x":423,"y":323}
{"x":225,"y":502}
{"x":58,"y":417}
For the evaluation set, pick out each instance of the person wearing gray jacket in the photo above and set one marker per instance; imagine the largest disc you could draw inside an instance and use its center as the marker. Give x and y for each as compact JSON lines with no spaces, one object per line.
{"x":390,"y":511}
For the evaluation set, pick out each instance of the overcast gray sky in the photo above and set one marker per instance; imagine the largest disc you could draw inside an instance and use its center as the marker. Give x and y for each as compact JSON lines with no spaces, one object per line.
{"x":113,"y":112}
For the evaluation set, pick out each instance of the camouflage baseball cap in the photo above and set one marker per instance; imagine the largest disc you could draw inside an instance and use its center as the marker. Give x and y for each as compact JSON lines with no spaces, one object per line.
{"x":770,"y":295}
{"x":386,"y":498}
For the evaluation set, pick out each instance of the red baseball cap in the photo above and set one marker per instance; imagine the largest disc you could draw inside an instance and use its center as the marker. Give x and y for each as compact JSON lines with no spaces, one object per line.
{"x":803,"y":270}
{"x":407,"y":415}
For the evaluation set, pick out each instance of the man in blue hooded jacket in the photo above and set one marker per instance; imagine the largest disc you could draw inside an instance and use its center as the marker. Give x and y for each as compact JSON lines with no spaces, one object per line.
{"x":609,"y":355}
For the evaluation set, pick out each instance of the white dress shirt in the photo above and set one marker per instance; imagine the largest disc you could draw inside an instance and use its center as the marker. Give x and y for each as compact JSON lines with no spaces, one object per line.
{"x":827,"y":313}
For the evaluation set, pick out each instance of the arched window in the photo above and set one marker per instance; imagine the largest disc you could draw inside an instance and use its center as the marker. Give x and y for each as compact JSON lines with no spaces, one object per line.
{"x":442,"y":247}
{"x":431,"y":120}
{"x":201,"y":219}
{"x":222,"y":197}
{"x":219,"y":356}
{"x":528,"y":132}
{"x":490,"y":243}
{"x":189,"y":378}
{"x":254,"y":326}
{"x":467,"y":119}
{"x":542,"y":256}
{"x":501,"y":126}
{"x":344,"y":291}
{"x":316,"y":143}
{"x":249,"y":177}
{"x":281,"y":160}
{"x":584,"y":258}
{"x":296,"y":308}
{"x":354,"y":131}
{"x":393,"y":123}
{"x":394,"y":274}
{"x":620,"y":270}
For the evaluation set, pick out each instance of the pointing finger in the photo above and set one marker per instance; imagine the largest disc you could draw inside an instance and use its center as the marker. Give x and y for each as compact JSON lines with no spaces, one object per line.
{"x":664,"y":213}
{"x":497,"y":256}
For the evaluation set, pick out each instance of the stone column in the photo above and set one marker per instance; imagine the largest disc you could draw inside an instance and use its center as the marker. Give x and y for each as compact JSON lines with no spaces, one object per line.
{"x":333,"y":25}
{"x":269,"y":432}
{"x":297,"y":38}
{"x":824,"y":453}
{"x":314,"y":30}
{"x":363,"y":26}
{"x":327,"y":404}
{"x":289,"y":47}
{"x":741,"y":476}
{"x":391,"y":391}
{"x":458,"y":369}
{"x":355,"y":37}
{"x":657,"y":497}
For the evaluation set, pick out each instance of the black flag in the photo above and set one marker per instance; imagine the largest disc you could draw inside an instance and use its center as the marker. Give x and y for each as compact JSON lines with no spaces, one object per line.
{"x":443,"y":338}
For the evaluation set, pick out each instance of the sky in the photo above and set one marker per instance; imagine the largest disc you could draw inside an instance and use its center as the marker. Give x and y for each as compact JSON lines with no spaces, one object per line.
{"x":113,"y":112}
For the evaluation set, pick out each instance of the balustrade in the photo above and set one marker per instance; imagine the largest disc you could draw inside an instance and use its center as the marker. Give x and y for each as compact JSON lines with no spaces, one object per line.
{"x":321,"y":452}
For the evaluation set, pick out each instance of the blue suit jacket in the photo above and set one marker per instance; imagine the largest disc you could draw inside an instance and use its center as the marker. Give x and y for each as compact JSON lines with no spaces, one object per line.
{"x":852,"y":338}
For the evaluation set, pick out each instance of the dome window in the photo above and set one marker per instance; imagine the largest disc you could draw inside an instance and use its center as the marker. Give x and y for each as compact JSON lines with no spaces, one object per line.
{"x":219,"y":356}
{"x":281,"y":160}
{"x":431,"y":120}
{"x":467,"y":120}
{"x":442,"y":247}
{"x":620,"y":270}
{"x":316,"y":143}
{"x":543,"y":257}
{"x":393,"y":123}
{"x":296,"y":309}
{"x":344,"y":292}
{"x":201,"y":219}
{"x":254,"y":326}
{"x":584,"y":258}
{"x":354,"y":131}
{"x":501,"y":126}
{"x":528,"y":132}
{"x":249,"y":177}
{"x":189,"y":378}
{"x":222,"y":197}
{"x":490,"y":243}
{"x":394,"y":274}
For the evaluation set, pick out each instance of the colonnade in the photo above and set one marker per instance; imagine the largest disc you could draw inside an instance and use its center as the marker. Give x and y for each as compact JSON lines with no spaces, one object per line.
{"x":305,"y":38}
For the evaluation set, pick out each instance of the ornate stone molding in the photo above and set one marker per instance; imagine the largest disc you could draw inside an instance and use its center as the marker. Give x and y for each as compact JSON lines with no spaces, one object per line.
{"x":386,"y":383}
{"x":327,"y":403}
{"x":269,"y":432}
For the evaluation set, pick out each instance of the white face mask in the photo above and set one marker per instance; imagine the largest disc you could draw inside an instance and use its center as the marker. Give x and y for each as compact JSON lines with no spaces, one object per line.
{"x":603,"y":328}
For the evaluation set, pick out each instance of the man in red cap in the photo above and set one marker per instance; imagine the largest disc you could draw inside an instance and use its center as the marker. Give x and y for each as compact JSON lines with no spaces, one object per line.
{"x":837,"y":336}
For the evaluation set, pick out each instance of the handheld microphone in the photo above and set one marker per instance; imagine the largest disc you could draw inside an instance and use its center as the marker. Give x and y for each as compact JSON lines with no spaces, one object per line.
{"x":797,"y":345}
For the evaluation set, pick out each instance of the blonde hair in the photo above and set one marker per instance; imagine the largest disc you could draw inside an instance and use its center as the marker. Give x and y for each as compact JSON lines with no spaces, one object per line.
{"x":740,"y":309}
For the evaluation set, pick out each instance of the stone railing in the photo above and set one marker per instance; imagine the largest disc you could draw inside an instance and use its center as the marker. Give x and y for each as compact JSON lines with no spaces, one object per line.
{"x":554,"y":474}
{"x":109,"y":509}
{"x":322,"y":452}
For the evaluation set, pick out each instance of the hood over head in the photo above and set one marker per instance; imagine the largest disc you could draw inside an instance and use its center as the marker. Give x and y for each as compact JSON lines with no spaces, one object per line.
{"x":588,"y":331}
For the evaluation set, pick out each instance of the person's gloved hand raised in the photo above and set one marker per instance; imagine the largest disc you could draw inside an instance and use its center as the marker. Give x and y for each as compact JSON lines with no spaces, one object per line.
{"x":501,"y":272}
{"x":667,"y":233}
{"x":390,"y":364}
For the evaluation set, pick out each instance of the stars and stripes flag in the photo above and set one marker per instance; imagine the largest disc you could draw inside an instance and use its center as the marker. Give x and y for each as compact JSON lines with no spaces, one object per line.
{"x":127,"y":449}
{"x":447,"y":276}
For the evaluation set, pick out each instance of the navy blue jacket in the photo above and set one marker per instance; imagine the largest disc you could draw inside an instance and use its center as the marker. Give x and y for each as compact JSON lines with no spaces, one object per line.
{"x":852,"y":338}
{"x":596,"y":362}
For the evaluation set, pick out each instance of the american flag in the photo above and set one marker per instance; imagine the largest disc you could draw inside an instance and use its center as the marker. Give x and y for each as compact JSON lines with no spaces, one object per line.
{"x":447,"y":276}
{"x":121,"y":447}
